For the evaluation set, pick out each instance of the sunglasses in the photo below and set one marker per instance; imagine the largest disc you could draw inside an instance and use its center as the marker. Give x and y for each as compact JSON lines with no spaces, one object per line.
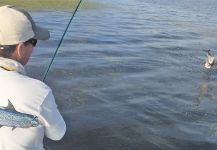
{"x":31,"y":41}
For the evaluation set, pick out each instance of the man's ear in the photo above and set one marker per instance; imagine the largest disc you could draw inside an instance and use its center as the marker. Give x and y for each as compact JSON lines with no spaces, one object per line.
{"x":18,"y":53}
{"x":19,"y":50}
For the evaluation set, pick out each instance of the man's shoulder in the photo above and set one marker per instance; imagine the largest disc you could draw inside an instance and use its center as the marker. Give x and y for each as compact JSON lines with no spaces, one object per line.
{"x":26,"y":93}
{"x":22,"y":82}
{"x":34,"y":83}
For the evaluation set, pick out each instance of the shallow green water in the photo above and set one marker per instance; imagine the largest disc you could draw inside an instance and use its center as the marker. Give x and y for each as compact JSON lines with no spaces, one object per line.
{"x":50,"y":4}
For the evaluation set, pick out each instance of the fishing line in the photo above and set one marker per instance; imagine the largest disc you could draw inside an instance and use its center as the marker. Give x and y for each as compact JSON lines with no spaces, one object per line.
{"x":61,"y":40}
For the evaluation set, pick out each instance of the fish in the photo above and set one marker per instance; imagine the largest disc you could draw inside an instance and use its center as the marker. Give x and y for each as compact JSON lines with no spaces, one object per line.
{"x":210,"y":60}
{"x":11,"y":118}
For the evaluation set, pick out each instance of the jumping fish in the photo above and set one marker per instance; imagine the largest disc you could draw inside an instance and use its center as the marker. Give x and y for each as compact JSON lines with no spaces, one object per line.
{"x":210,"y":60}
{"x":11,"y":118}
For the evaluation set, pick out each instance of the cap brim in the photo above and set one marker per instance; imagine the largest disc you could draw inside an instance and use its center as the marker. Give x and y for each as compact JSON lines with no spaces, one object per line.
{"x":41,"y":33}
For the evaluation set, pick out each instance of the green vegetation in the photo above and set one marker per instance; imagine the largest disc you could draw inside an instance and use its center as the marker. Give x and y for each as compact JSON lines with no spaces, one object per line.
{"x":49,"y":4}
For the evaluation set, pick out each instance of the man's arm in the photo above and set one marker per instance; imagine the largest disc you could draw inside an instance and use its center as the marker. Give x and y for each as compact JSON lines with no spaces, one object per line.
{"x":55,"y":126}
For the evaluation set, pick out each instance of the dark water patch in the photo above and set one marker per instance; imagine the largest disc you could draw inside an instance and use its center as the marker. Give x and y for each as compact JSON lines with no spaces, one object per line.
{"x":91,"y":40}
{"x":192,"y":115}
{"x":104,"y":69}
{"x":166,"y":36}
{"x":35,"y":71}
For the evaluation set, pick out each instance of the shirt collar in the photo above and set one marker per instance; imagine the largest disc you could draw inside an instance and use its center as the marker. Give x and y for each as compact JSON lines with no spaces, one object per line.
{"x":12,"y":65}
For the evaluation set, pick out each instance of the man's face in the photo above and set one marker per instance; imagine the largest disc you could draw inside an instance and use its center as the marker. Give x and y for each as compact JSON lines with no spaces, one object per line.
{"x":26,"y":53}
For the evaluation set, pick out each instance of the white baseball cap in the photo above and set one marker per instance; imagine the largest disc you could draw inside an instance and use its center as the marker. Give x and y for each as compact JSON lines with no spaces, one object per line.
{"x":17,"y":26}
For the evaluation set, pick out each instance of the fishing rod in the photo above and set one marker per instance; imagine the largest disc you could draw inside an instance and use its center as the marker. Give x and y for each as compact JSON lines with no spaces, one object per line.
{"x":61,"y":40}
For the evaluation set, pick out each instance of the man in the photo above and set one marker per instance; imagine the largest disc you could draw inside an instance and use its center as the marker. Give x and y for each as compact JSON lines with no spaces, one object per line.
{"x":18,"y":36}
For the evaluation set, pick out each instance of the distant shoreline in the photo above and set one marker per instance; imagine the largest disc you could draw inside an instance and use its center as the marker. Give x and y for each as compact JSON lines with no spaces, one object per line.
{"x":49,"y":4}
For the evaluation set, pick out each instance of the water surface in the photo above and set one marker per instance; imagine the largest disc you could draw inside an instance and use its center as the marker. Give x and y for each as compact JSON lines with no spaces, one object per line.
{"x":131,"y":77}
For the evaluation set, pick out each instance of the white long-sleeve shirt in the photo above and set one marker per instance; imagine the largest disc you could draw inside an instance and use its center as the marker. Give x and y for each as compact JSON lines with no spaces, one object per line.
{"x":33,"y":97}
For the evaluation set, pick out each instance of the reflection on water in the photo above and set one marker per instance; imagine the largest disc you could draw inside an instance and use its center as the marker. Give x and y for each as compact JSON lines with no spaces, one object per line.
{"x":132,"y":77}
{"x":206,"y":90}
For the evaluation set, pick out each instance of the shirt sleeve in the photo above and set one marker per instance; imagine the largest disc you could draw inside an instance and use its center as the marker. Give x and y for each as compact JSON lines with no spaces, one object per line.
{"x":54,"y":124}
